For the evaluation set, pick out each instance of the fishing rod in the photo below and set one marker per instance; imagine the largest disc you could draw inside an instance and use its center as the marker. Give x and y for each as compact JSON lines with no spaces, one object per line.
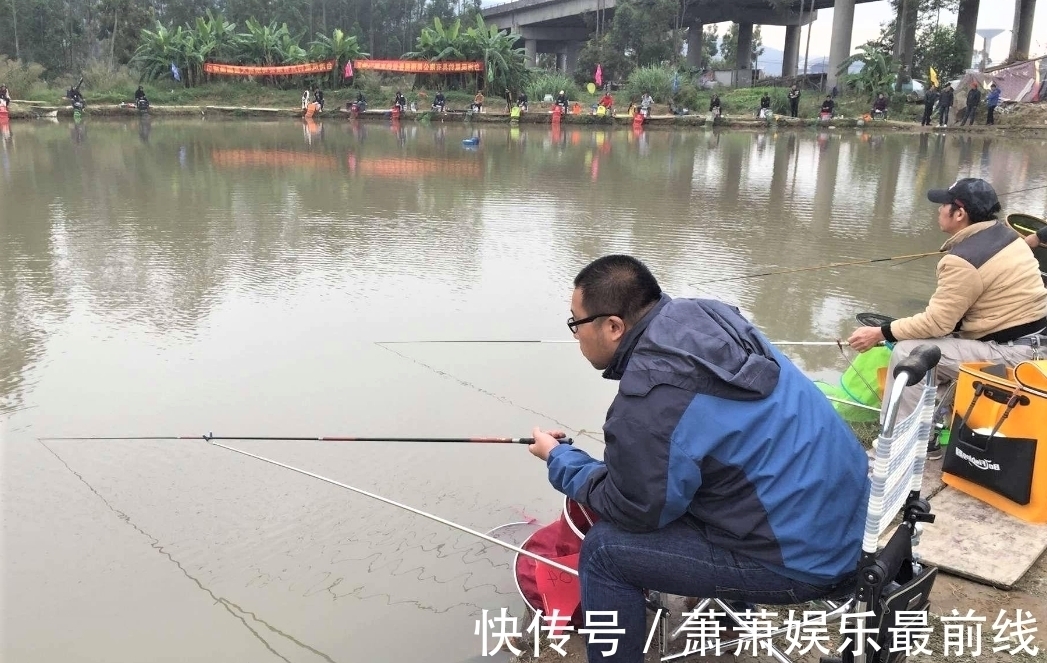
{"x":851,"y":263}
{"x":278,"y":438}
{"x":433,"y":342}
{"x":430,"y":516}
{"x":848,"y":263}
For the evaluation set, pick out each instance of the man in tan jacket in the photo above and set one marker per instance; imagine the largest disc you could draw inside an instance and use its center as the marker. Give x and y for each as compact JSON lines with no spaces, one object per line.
{"x":989,"y":304}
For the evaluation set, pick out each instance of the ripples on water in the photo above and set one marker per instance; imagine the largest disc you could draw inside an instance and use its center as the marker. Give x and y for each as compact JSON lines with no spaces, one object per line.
{"x":234,"y":276}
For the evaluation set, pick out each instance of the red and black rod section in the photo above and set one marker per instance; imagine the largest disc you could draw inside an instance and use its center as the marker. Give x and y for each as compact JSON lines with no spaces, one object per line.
{"x":276,"y":438}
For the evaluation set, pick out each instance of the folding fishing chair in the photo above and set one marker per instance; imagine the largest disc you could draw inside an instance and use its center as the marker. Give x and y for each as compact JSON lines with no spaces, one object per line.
{"x":891,"y":578}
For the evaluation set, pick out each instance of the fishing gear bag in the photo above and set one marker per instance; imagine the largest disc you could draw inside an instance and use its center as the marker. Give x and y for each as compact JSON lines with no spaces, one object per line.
{"x":997,"y":451}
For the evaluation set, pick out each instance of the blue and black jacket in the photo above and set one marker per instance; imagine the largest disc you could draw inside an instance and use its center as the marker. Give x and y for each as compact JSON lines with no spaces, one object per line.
{"x":712,"y":424}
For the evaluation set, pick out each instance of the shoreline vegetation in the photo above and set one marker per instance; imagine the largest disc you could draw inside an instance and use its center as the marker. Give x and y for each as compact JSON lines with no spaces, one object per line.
{"x":253,"y":100}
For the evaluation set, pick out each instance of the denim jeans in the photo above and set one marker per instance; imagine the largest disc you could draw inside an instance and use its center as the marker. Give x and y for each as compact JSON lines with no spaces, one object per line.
{"x":616,"y":566}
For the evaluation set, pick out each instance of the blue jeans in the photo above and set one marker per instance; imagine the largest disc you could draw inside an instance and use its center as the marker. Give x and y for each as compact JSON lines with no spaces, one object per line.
{"x":616,"y":566}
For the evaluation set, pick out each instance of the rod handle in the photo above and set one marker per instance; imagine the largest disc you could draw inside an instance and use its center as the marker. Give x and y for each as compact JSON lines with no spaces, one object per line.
{"x":916,"y":365}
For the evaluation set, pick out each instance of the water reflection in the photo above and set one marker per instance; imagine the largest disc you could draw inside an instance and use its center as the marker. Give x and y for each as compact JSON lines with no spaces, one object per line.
{"x":157,"y":232}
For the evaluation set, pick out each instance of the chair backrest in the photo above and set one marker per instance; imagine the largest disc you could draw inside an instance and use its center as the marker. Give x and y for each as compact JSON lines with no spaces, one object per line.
{"x":900,"y":451}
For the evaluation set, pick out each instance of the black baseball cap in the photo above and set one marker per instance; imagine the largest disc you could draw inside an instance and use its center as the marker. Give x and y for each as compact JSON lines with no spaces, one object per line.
{"x":972,"y":194}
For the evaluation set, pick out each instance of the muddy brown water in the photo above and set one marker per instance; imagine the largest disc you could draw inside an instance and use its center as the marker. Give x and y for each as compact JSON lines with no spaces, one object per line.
{"x":181,"y":277}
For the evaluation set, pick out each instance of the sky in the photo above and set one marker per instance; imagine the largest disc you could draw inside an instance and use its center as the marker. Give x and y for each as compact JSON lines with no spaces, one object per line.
{"x":870,"y":15}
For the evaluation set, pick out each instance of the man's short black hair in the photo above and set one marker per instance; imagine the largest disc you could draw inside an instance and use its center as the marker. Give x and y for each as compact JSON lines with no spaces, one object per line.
{"x":617,"y":285}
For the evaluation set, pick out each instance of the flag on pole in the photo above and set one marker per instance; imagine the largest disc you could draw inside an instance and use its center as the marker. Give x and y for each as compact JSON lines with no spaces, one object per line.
{"x":599,"y":76}
{"x":348,"y":73}
{"x":933,"y":76}
{"x":174,"y":72}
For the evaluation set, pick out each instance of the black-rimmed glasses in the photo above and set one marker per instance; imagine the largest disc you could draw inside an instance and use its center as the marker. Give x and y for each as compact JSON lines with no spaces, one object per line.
{"x":573,"y":324}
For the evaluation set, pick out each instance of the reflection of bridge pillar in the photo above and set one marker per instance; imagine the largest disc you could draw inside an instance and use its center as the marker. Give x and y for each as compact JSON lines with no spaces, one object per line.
{"x":531,"y":53}
{"x":825,"y":184}
{"x":744,"y":55}
{"x":780,"y":173}
{"x":1021,"y":36}
{"x":792,"y":50}
{"x":571,"y":52}
{"x":887,"y":186}
{"x":695,"y":44}
{"x":966,"y":24}
{"x":733,"y":169}
{"x":840,"y":44}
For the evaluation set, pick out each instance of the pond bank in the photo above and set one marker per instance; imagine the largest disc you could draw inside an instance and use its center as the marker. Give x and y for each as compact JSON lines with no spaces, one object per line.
{"x":31,"y":110}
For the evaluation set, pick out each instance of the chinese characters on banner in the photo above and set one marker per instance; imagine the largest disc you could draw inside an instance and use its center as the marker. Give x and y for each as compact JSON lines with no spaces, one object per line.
{"x":287,"y":70}
{"x":419,"y":66}
{"x":1013,"y":633}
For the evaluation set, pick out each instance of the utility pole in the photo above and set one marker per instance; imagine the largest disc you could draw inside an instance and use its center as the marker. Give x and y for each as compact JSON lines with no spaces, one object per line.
{"x":14,"y":19}
{"x":807,"y":50}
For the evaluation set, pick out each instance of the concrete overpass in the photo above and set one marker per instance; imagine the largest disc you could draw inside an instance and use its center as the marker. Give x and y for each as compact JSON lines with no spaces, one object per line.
{"x":558,"y":26}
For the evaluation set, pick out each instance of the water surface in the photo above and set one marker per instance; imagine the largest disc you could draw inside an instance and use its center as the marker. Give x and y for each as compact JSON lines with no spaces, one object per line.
{"x":180,"y":277}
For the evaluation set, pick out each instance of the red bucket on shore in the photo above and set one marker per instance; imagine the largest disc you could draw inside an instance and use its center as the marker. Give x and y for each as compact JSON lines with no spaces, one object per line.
{"x":547,"y":588}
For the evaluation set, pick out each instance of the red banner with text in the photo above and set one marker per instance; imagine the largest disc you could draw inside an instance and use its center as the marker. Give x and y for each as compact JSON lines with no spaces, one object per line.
{"x":419,"y":66}
{"x":286,"y":70}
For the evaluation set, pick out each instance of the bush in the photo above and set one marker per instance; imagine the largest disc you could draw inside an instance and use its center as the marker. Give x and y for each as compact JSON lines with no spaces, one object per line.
{"x":20,"y":77}
{"x":551,"y":82}
{"x":658,"y":81}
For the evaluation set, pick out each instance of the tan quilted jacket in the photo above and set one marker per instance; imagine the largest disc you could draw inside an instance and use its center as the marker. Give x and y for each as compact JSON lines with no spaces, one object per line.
{"x":990,"y":286}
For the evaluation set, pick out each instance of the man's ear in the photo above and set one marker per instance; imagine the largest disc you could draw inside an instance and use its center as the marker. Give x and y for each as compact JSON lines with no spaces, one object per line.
{"x":617,"y":327}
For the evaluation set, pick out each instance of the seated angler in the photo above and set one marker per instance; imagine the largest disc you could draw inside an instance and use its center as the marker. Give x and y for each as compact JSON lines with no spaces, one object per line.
{"x":828,"y":106}
{"x":521,"y":101}
{"x":439,"y":101}
{"x":721,"y":459}
{"x":990,"y":303}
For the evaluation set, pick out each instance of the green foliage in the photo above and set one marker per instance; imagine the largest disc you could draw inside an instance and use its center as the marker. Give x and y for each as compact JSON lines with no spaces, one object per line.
{"x":551,"y":82}
{"x":614,"y":63}
{"x":658,"y":81}
{"x":943,"y":49}
{"x":710,"y":45}
{"x":339,"y":47}
{"x":877,"y":74}
{"x":20,"y":77}
{"x":504,"y":65}
{"x":641,"y":30}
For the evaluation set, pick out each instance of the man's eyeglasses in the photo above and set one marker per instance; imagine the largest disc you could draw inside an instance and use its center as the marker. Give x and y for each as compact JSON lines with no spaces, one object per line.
{"x":573,"y":324}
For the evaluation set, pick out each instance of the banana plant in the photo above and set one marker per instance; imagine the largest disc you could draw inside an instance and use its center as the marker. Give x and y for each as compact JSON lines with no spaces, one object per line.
{"x":339,"y":47}
{"x":877,"y":74}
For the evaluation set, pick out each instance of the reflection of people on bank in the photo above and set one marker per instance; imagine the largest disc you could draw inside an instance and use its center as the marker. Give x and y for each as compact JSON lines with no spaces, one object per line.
{"x":145,"y":125}
{"x":79,"y":132}
{"x":5,"y":130}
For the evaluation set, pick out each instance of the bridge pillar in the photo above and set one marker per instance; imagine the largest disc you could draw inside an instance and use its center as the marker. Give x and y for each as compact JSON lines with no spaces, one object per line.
{"x":561,"y":62}
{"x":695,"y":44}
{"x":966,"y":24}
{"x":840,"y":45}
{"x":1021,"y":36}
{"x":530,"y":53}
{"x":791,"y":58}
{"x":905,"y":36}
{"x":744,"y":57}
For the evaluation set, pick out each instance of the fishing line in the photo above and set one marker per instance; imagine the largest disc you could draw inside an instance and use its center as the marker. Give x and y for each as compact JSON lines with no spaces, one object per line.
{"x":430,"y":516}
{"x":470,"y":385}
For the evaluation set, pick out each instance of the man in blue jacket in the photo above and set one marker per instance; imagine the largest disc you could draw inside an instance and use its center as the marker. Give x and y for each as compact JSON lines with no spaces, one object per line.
{"x":726,"y":472}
